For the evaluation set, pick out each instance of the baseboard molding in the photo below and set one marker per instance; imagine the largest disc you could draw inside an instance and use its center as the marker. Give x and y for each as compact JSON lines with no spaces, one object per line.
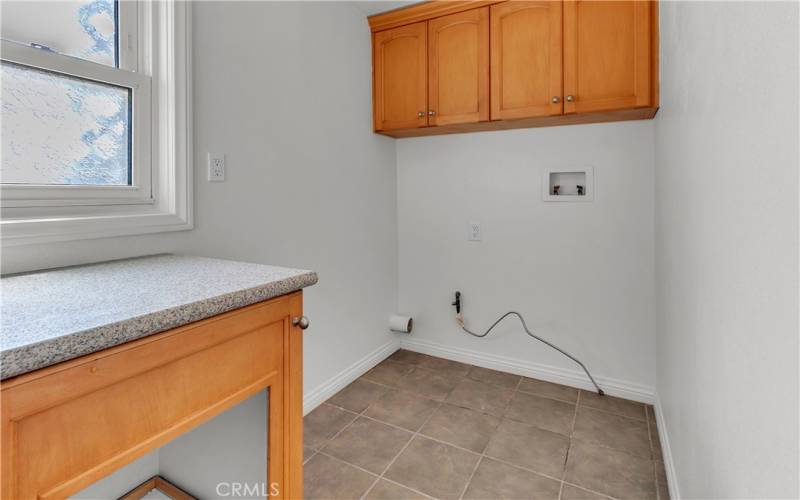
{"x":572,"y":378}
{"x":666,"y":452}
{"x":336,"y":383}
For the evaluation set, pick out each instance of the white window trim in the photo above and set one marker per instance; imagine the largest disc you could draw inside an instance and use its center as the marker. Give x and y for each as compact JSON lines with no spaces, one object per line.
{"x":165,"y":52}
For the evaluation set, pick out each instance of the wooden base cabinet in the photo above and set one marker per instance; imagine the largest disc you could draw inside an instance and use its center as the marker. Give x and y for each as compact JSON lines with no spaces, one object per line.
{"x":495,"y":65}
{"x":67,"y":426}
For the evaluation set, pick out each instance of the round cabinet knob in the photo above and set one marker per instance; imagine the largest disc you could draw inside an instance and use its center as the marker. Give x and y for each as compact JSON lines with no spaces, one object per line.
{"x":570,"y":98}
{"x":301,"y":321}
{"x":555,"y":99}
{"x":431,"y":113}
{"x":420,"y":114}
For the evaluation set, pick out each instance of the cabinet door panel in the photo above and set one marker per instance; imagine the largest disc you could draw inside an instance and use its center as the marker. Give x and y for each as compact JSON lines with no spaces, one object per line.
{"x":526,"y":69}
{"x":458,"y":67}
{"x":607,"y":55}
{"x":400,"y":77}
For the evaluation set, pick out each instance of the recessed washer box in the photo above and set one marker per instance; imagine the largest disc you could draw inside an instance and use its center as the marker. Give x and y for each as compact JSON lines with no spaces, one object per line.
{"x":568,"y":184}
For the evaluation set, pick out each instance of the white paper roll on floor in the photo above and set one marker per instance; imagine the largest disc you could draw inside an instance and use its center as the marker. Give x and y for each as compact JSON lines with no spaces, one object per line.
{"x":402,"y":324}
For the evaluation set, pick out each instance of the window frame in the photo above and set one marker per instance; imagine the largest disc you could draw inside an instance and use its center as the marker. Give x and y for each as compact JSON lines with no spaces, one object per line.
{"x":155,"y":62}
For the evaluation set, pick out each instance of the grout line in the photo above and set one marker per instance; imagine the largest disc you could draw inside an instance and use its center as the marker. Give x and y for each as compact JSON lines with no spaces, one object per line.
{"x":569,"y":445}
{"x":471,"y":476}
{"x":482,"y":455}
{"x":414,"y":435}
{"x":371,"y":474}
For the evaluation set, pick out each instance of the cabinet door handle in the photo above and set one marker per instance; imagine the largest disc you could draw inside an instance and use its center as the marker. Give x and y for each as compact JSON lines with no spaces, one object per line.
{"x":420,"y":114}
{"x":555,"y":99}
{"x":570,"y":98}
{"x":431,"y":113}
{"x":301,"y":321}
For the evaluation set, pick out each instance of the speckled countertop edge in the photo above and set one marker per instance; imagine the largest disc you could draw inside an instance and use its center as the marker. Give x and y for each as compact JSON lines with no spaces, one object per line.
{"x":26,"y":358}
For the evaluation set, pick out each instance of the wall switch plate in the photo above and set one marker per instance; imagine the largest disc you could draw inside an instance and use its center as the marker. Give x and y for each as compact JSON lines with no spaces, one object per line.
{"x":216,"y":167}
{"x":474,"y":231}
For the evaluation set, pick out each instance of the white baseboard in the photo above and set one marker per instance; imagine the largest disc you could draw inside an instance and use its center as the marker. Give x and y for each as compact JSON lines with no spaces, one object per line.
{"x":572,"y":378}
{"x":336,"y":383}
{"x":666,"y":452}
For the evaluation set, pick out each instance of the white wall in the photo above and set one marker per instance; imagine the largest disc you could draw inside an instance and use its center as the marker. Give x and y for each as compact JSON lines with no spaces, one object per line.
{"x":283,"y":89}
{"x":581,"y":273}
{"x":727,"y":247}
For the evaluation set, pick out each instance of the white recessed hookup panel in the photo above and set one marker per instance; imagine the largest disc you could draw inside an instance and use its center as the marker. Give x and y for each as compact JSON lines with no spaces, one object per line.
{"x":568,"y":184}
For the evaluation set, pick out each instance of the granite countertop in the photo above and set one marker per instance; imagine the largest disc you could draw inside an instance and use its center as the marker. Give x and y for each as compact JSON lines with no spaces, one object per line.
{"x":54,"y":315}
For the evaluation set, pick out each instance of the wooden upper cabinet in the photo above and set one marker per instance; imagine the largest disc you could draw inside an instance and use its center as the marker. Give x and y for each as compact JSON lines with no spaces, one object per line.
{"x":526,"y":59}
{"x":608,"y":55}
{"x":400,"y":81}
{"x":446,"y":66}
{"x":458,"y":68}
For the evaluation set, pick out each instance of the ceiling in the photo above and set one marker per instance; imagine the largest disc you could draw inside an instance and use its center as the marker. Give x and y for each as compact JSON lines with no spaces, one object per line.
{"x":375,"y":6}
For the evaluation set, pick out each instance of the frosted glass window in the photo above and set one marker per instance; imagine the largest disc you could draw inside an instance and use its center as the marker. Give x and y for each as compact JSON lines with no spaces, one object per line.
{"x":79,"y":28}
{"x":62,"y":130}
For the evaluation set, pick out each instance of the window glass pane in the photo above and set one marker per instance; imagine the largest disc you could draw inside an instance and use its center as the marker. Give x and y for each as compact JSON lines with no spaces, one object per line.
{"x":78,"y":28}
{"x":63,"y":130}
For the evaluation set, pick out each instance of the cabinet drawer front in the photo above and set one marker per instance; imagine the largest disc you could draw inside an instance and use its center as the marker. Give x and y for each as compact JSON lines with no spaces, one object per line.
{"x":67,"y":426}
{"x":607,"y":55}
{"x":526,"y":59}
{"x":401,"y":77}
{"x":458,"y":67}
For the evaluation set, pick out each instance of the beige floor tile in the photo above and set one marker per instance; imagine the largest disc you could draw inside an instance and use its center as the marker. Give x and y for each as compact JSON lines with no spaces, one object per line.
{"x":548,"y":389}
{"x":368,"y":444}
{"x":545,"y":413}
{"x":614,"y":405}
{"x":322,"y":423}
{"x":385,"y":490}
{"x":358,"y":395}
{"x":570,"y":492}
{"x":494,"y":377}
{"x":481,"y":397}
{"x":407,"y":357}
{"x":329,"y":479}
{"x":607,"y":429}
{"x":462,"y":427}
{"x":661,"y":481}
{"x":387,"y":372}
{"x":436,"y":469}
{"x":427,"y":383}
{"x":444,"y":366}
{"x":655,"y":442}
{"x":495,"y":480}
{"x":530,"y":447}
{"x":611,"y":472}
{"x":403,"y":409}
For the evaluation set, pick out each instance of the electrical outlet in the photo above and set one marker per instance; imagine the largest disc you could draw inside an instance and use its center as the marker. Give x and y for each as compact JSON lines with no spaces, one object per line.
{"x":474,"y":231}
{"x":216,"y":167}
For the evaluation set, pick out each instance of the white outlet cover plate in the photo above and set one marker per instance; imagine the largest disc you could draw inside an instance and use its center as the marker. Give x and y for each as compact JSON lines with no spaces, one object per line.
{"x":216,"y":167}
{"x":589,"y":173}
{"x":474,"y":232}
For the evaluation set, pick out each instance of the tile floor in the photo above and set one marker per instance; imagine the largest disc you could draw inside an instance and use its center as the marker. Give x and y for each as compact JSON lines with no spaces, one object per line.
{"x":416,"y":426}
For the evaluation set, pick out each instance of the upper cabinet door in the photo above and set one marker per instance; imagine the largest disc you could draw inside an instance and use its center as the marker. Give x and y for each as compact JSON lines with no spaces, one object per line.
{"x":458,"y":68}
{"x":400,"y":77}
{"x":607,"y":55}
{"x":526,"y":59}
